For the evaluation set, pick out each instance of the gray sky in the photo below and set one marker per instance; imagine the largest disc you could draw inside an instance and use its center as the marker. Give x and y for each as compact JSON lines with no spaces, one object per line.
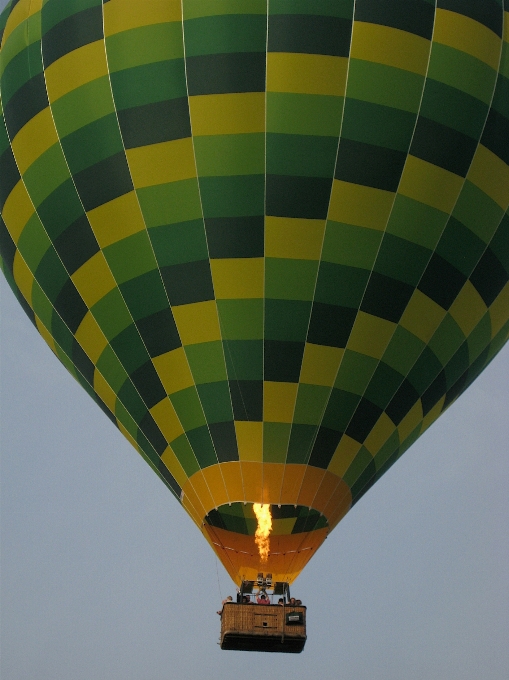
{"x":104,"y":576}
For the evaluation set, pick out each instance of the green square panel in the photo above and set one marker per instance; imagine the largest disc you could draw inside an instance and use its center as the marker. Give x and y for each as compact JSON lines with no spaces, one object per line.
{"x":45,"y":174}
{"x":149,"y":84}
{"x":286,"y":320}
{"x":206,"y":360}
{"x":340,"y":409}
{"x":61,"y":209}
{"x":471,"y":251}
{"x":226,"y":33}
{"x":401,"y":259}
{"x":241,"y":319}
{"x":33,"y":242}
{"x":92,"y":143}
{"x":416,"y":222}
{"x":145,"y":45}
{"x":188,"y":407}
{"x":355,"y":372}
{"x":302,"y":156}
{"x":145,"y":294}
{"x":477,"y":341}
{"x":111,"y":314}
{"x":244,"y":359}
{"x":302,"y":438}
{"x":233,"y":196}
{"x":111,"y":369}
{"x":378,"y":125}
{"x":478,"y":211}
{"x":41,"y":305}
{"x":275,"y":442}
{"x":216,"y":401}
{"x":129,"y":348}
{"x":350,"y":245}
{"x":184,"y":452}
{"x":203,"y":447}
{"x":447,"y":339}
{"x":170,"y":203}
{"x":403,"y":350}
{"x":82,"y":106}
{"x":289,"y":279}
{"x":341,"y":285}
{"x":310,"y":404}
{"x":387,"y":451}
{"x":124,"y":417}
{"x":225,"y":155}
{"x":131,"y":257}
{"x":425,"y":370}
{"x":179,"y":243}
{"x":304,"y":114}
{"x":383,"y":385}
{"x":129,"y":397}
{"x":363,"y":461}
{"x":385,"y":85}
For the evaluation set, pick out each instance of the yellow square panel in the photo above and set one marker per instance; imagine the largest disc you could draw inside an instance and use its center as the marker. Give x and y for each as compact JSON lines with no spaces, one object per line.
{"x":76,"y":68}
{"x":18,"y":209}
{"x":167,"y":420}
{"x":94,"y":279}
{"x":173,"y":465}
{"x":202,"y":491}
{"x":370,"y":335}
{"x":326,"y":491}
{"x":232,"y":475}
{"x":227,"y":114}
{"x":294,"y":238}
{"x":430,"y":184}
{"x":320,"y":365}
{"x":238,"y":278}
{"x":272,"y":480}
{"x":162,"y":163}
{"x":20,"y":12}
{"x":344,"y":455}
{"x":91,"y":338}
{"x":104,"y":391}
{"x":360,"y":205}
{"x":390,"y":46}
{"x":193,"y":506}
{"x":380,"y":433}
{"x":120,"y":15}
{"x":465,"y":34}
{"x":252,"y":474}
{"x":313,"y":477}
{"x":410,"y":421}
{"x":46,"y":335}
{"x":173,"y":370}
{"x":116,"y":219}
{"x":23,"y":277}
{"x":499,"y":311}
{"x":279,"y":401}
{"x":249,"y":440}
{"x":191,"y":495}
{"x":306,"y":73}
{"x":34,"y":138}
{"x":491,"y":175}
{"x":422,"y":316}
{"x":292,"y":482}
{"x":197,"y":322}
{"x":468,"y":308}
{"x":215,"y":482}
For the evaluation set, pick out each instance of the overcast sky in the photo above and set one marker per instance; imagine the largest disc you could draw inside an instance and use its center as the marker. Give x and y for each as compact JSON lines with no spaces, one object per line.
{"x":104,"y":576}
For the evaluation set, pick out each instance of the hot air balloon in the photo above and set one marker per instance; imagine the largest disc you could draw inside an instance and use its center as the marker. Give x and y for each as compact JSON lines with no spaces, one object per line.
{"x":268,"y":237}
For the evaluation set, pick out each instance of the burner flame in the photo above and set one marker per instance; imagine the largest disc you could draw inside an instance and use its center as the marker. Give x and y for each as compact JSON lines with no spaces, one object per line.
{"x":263,"y":530}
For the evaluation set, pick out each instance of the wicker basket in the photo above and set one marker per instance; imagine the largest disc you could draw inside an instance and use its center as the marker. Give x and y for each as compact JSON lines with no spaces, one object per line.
{"x":263,"y":628}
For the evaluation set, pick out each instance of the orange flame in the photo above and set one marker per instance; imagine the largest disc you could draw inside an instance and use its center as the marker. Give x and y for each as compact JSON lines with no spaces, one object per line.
{"x":263,"y":529}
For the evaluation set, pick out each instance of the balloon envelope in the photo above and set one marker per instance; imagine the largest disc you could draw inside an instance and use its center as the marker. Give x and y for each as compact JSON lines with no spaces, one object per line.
{"x":270,"y":239}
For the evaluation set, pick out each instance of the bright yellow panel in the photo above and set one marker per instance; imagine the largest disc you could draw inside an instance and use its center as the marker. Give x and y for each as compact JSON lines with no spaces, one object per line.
{"x":172,"y":463}
{"x":320,"y":364}
{"x":390,"y":46}
{"x":430,"y":184}
{"x":344,"y":455}
{"x":173,"y":370}
{"x":306,"y":73}
{"x":279,"y":401}
{"x":380,"y":433}
{"x":23,"y":277}
{"x":499,"y":311}
{"x":370,"y":335}
{"x":249,"y":440}
{"x":202,"y":491}
{"x":197,"y":322}
{"x":93,"y":279}
{"x":167,"y":420}
{"x":162,"y":163}
{"x":491,"y":175}
{"x":292,"y":482}
{"x":295,"y":238}
{"x":313,"y":478}
{"x":422,"y":316}
{"x":360,"y":205}
{"x":191,"y":495}
{"x":34,"y":138}
{"x":227,"y":114}
{"x":76,"y":68}
{"x":238,"y":278}
{"x":18,"y":209}
{"x":116,"y":219}
{"x":214,"y":480}
{"x":232,"y":475}
{"x":465,"y":34}
{"x":252,"y":474}
{"x":122,"y":15}
{"x":104,"y":391}
{"x":91,"y":338}
{"x":272,"y":479}
{"x":468,"y":308}
{"x":46,"y":335}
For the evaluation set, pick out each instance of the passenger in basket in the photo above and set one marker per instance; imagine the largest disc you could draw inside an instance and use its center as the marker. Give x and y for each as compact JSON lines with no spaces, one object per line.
{"x":263,"y":599}
{"x":247,"y":600}
{"x":228,"y":599}
{"x":292,"y":602}
{"x":281,"y":602}
{"x":298,"y":603}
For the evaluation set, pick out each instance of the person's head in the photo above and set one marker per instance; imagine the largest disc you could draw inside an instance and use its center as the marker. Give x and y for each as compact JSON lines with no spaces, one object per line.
{"x":281,"y":601}
{"x":292,"y":600}
{"x":263,"y":596}
{"x":246,"y":598}
{"x":229,"y":598}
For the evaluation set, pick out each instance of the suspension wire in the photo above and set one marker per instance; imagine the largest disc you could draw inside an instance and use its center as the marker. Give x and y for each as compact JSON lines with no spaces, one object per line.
{"x":218,"y":584}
